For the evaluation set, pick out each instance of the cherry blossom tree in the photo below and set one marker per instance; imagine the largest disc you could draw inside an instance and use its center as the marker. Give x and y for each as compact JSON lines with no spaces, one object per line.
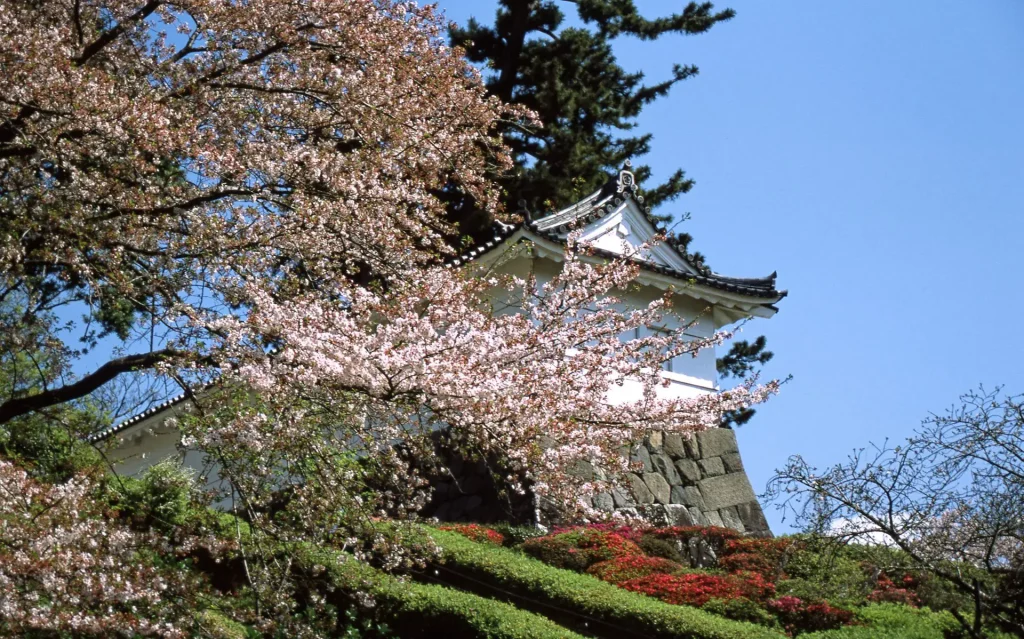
{"x":64,"y":568}
{"x":156,"y":155}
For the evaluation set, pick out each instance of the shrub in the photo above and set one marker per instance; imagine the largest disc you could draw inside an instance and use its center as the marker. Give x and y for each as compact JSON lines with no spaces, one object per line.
{"x":632,"y":533}
{"x":741,"y":609}
{"x":692,"y":589}
{"x":580,"y":548}
{"x":657,"y":547}
{"x":818,"y":571}
{"x":516,"y":535}
{"x":476,"y":532}
{"x":886,"y":591}
{"x":620,"y":569}
{"x":165,"y":496}
{"x":715,"y":536}
{"x":893,"y":621}
{"x":798,"y":616}
{"x":766,"y":556}
{"x":748,"y":562}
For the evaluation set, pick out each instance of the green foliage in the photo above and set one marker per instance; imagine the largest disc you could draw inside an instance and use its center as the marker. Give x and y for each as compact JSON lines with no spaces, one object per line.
{"x":580,"y":548}
{"x":583,"y":594}
{"x":49,"y":448}
{"x":657,"y":547}
{"x":741,"y":609}
{"x":817,"y":572}
{"x":420,"y":610}
{"x":892,"y":621}
{"x":570,"y":78}
{"x":516,"y":535}
{"x":164,"y":497}
{"x":217,"y":626}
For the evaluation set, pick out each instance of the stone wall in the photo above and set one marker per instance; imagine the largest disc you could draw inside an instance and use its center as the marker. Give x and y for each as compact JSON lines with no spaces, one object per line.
{"x":684,"y":481}
{"x":689,"y":481}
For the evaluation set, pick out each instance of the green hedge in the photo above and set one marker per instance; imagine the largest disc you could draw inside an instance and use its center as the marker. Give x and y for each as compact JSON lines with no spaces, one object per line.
{"x":541,"y":586}
{"x":892,"y":621}
{"x":419,"y":610}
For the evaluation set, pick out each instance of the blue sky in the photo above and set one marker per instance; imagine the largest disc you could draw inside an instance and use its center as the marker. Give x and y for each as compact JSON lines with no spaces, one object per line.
{"x":873,"y":153}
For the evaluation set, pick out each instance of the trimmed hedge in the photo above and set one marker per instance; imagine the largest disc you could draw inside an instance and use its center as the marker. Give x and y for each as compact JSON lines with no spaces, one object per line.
{"x":421,"y":610}
{"x":533,"y":581}
{"x":892,"y":621}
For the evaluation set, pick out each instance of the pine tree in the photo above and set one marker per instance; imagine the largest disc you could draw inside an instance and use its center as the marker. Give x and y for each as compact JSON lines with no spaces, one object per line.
{"x":587,"y":105}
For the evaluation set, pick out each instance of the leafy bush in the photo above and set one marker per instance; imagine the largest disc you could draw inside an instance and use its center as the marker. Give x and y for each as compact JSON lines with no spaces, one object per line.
{"x":893,"y":621}
{"x":798,"y":616}
{"x":516,"y":535}
{"x":692,"y":589}
{"x":621,"y":569}
{"x":580,"y":548}
{"x":747,"y":562}
{"x":477,"y":533}
{"x":741,"y":609}
{"x":755,"y":554}
{"x":816,"y":571}
{"x":657,"y":547}
{"x":165,"y":496}
{"x":697,"y":588}
{"x":886,"y":591}
{"x":585,"y":595}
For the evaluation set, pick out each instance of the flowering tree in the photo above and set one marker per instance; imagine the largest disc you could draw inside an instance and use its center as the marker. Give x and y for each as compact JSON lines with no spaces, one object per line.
{"x":156,"y":155}
{"x":65,"y":569}
{"x":253,"y":191}
{"x":950,"y":499}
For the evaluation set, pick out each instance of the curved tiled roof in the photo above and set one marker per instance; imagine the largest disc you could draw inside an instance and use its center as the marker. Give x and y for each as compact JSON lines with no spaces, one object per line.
{"x":557,"y":225}
{"x":110,"y":431}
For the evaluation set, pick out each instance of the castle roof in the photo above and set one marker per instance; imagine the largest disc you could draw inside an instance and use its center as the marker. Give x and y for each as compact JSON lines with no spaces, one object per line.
{"x":616,"y":204}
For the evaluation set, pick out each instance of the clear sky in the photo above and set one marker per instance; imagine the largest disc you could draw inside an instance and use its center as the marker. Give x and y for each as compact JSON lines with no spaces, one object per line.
{"x":873,"y":154}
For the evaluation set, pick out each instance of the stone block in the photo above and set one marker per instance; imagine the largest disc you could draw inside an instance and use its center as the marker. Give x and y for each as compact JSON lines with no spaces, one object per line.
{"x":732,"y":463}
{"x":622,"y":498}
{"x":711,"y":467}
{"x":673,"y":445}
{"x":639,"y":489}
{"x":699,"y":518}
{"x":658,"y":487}
{"x":716,"y":442}
{"x":630,"y":513}
{"x":752,"y":516}
{"x":586,"y":470}
{"x":663,"y":465}
{"x":689,"y":472}
{"x":726,"y":490}
{"x":714,"y":519}
{"x":654,"y":440}
{"x":604,"y":501}
{"x":691,"y":447}
{"x":678,"y":515}
{"x":688,"y":496}
{"x":731,"y":518}
{"x":640,"y":454}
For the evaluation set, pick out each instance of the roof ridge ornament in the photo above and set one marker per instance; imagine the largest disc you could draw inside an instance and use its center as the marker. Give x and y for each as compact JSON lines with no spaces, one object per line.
{"x":626,"y":181}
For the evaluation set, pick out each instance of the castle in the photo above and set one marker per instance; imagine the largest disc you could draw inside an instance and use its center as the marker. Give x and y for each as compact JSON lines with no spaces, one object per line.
{"x":683,"y":481}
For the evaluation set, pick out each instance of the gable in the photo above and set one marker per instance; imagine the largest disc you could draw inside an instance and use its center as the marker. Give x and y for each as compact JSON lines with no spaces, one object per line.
{"x":625,"y":230}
